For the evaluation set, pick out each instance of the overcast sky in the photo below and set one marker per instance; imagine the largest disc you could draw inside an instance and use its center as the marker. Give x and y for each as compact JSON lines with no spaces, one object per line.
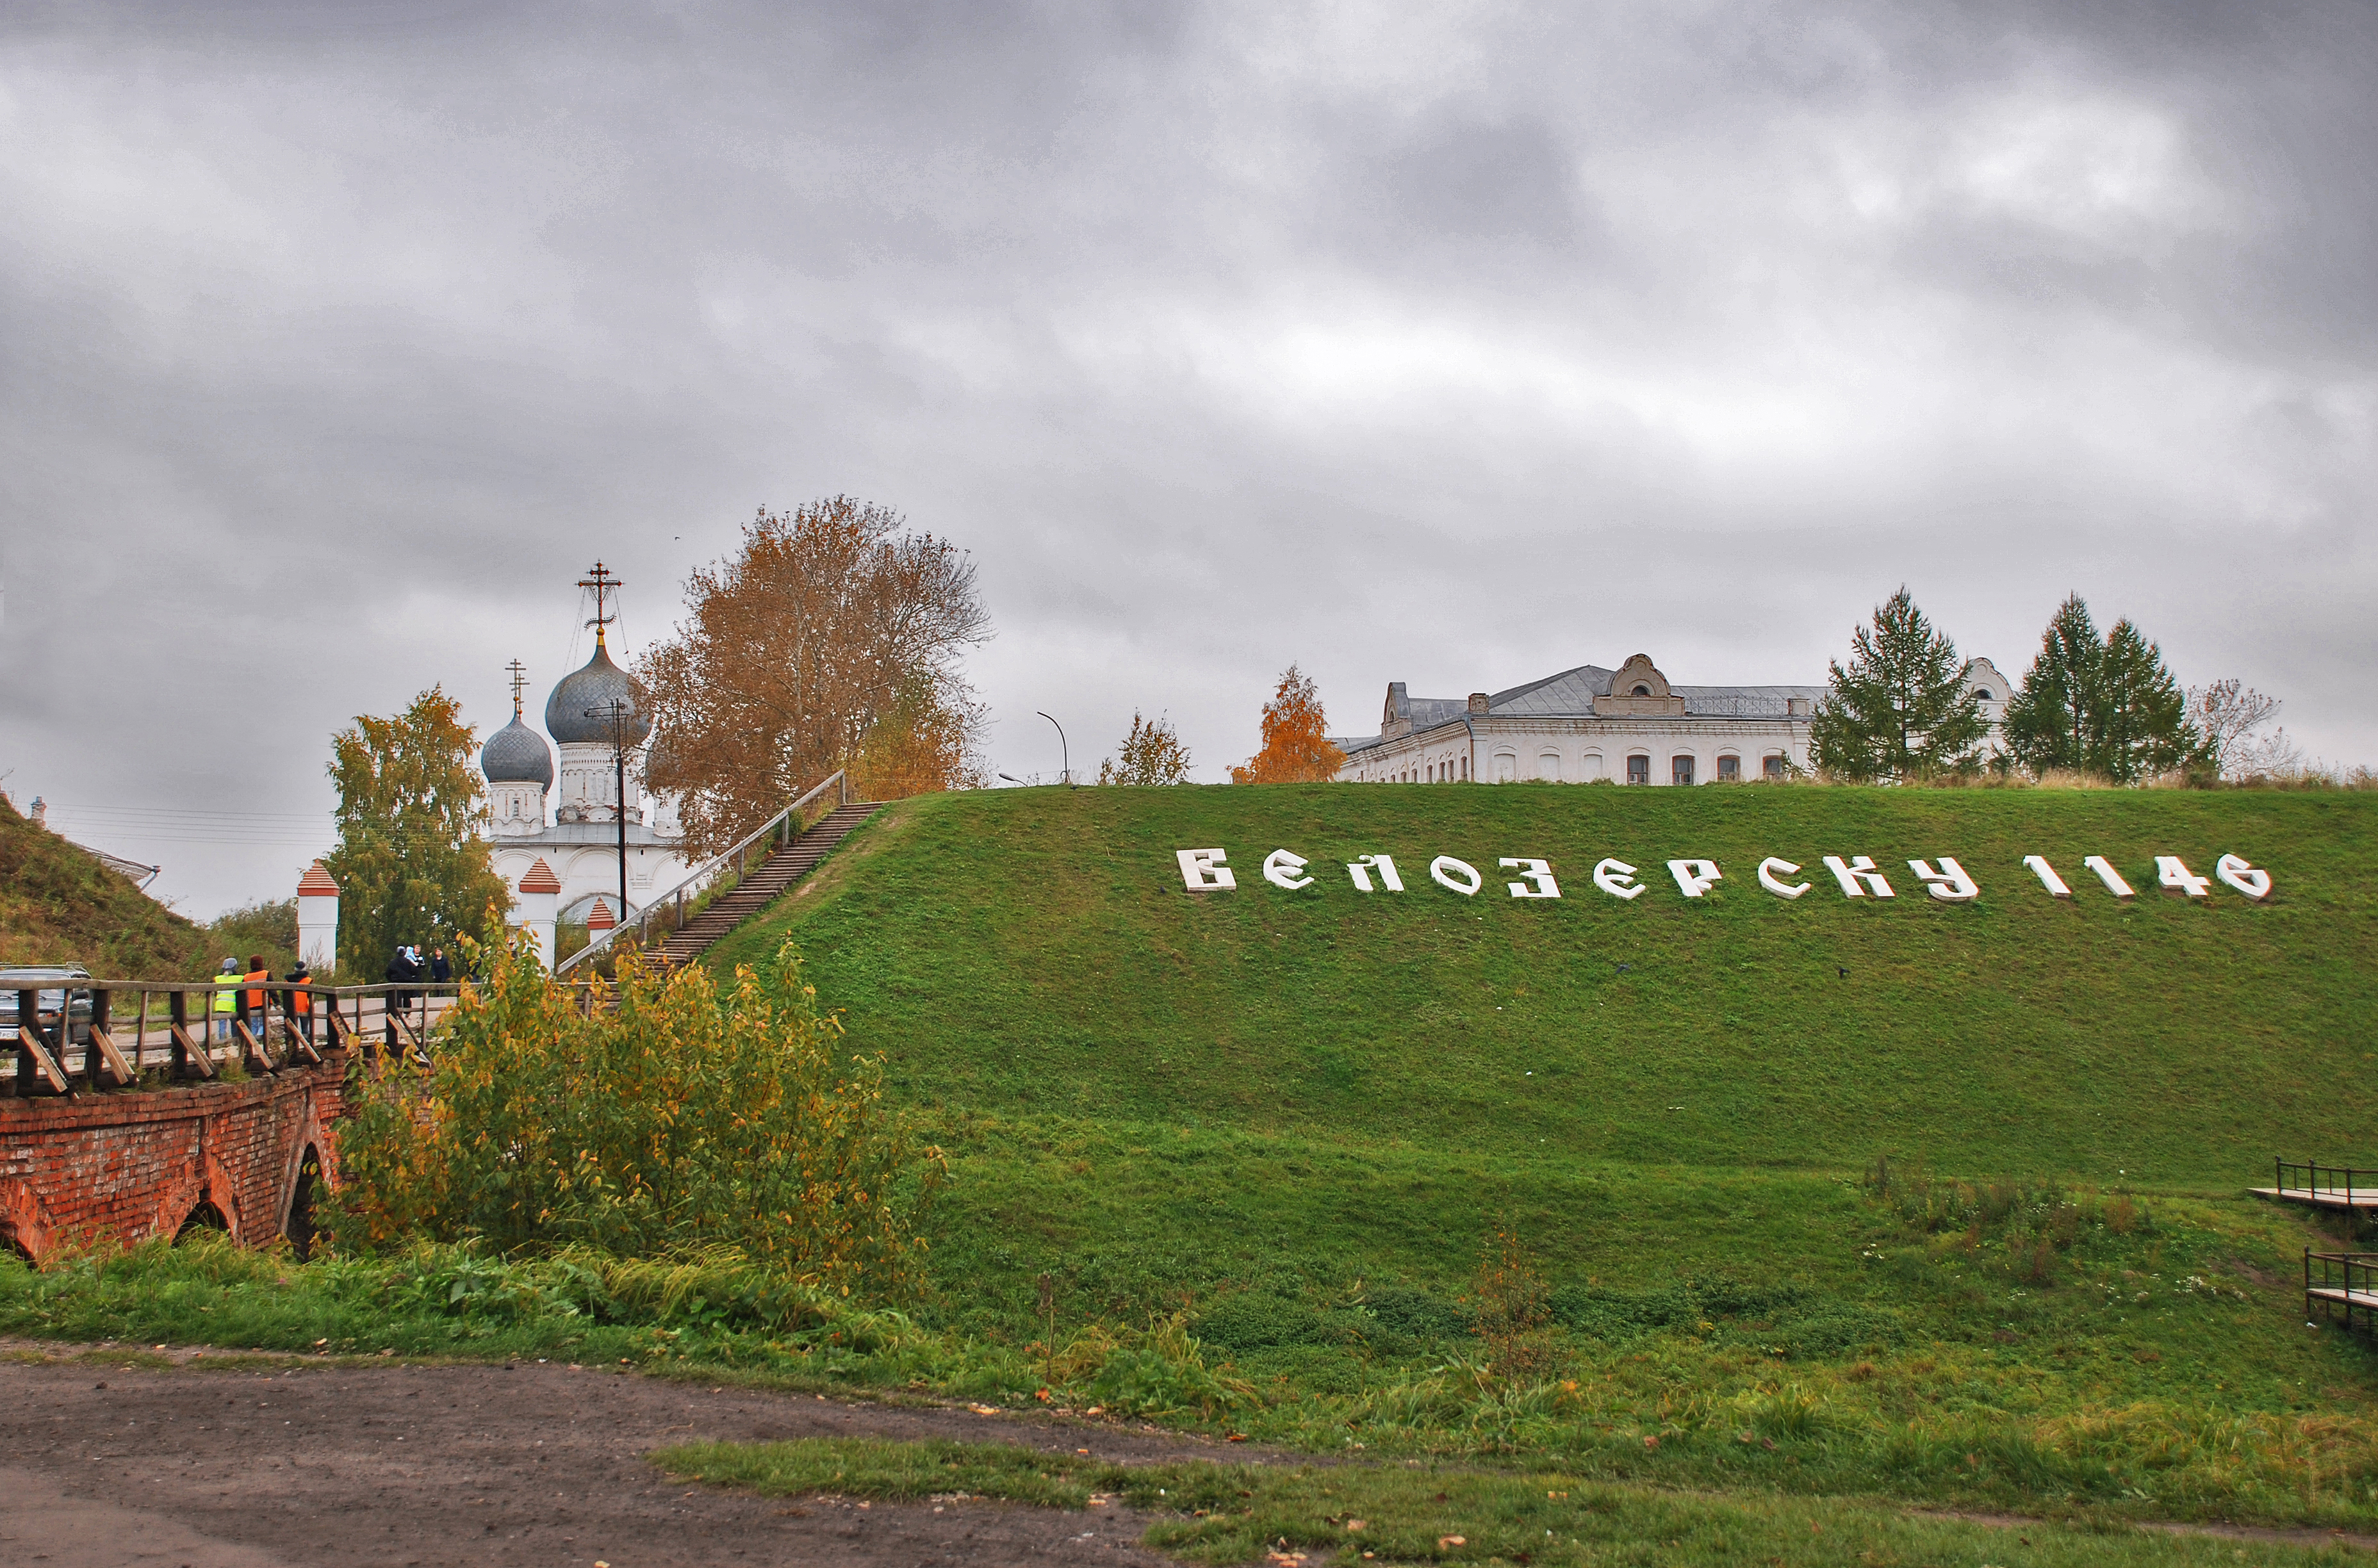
{"x":1449,"y":345}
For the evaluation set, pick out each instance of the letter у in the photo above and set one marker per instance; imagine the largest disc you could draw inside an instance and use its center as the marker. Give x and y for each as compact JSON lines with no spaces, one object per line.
{"x":1857,"y":877}
{"x":1950,"y":884}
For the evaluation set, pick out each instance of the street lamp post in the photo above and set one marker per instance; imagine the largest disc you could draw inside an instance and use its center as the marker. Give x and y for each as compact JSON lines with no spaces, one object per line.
{"x":1064,"y":754}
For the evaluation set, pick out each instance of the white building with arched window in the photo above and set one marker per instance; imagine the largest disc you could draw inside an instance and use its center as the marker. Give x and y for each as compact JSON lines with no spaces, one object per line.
{"x":1631,"y":724}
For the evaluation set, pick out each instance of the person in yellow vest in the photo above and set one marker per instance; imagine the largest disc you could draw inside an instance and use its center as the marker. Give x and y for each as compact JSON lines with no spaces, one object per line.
{"x":226,"y":1002}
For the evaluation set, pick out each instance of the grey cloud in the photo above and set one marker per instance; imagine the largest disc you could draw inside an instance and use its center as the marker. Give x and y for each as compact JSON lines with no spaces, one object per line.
{"x":335,"y":340}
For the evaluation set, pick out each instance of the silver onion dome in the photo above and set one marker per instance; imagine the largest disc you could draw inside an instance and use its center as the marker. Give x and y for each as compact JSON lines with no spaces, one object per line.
{"x":594,"y":689}
{"x":517,"y":754}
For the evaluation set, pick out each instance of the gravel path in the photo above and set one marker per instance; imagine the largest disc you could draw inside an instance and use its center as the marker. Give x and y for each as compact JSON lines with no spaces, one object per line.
{"x":231,"y":1462}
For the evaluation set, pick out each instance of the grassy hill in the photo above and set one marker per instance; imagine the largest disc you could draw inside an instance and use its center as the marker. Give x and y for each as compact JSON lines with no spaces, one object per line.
{"x":1039,"y":949}
{"x":1303,"y":1117}
{"x":60,"y":905}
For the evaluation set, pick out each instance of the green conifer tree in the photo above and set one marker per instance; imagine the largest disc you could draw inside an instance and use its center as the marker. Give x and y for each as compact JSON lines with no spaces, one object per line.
{"x":1901,"y":710}
{"x":2109,"y":708}
{"x":410,"y":866}
{"x":2049,"y":721}
{"x":2143,"y":727}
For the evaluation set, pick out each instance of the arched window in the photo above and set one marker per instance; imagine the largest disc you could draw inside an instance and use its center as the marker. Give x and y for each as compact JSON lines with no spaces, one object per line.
{"x":1642,"y":690}
{"x":1774,"y":767}
{"x":1639,"y":770}
{"x":1680,"y":769}
{"x":1985,"y":693}
{"x":1729,"y":770}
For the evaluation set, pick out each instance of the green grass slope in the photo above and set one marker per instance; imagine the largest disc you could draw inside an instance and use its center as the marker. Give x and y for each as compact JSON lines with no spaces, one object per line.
{"x":59,"y":905}
{"x":1036,"y":950}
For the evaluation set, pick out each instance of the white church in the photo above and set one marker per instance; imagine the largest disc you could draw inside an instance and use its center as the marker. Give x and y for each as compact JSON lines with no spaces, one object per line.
{"x":577,"y":846}
{"x":1631,"y":724}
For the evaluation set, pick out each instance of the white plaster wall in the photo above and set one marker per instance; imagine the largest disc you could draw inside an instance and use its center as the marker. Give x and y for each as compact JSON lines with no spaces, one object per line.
{"x":1590,"y":749}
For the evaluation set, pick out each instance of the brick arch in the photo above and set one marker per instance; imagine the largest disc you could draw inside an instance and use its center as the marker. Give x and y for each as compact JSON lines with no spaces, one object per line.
{"x":199,"y":1180}
{"x":24,"y":1223}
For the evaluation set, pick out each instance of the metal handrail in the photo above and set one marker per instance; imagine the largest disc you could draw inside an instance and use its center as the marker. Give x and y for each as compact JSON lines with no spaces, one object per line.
{"x":838,"y":780}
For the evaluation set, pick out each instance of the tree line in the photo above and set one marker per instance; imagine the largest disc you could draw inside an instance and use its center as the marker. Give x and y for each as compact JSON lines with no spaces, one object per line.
{"x":1905,"y":707}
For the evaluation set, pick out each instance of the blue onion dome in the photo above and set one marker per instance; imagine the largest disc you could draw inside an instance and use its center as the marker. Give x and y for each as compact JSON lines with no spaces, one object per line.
{"x":595,"y":687}
{"x":517,"y":754}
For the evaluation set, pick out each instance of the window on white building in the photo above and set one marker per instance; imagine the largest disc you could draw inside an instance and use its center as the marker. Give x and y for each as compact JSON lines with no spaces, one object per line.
{"x":1639,"y":770}
{"x":1729,"y":770}
{"x":1680,"y":769}
{"x":1548,"y":766}
{"x":1773,"y":767}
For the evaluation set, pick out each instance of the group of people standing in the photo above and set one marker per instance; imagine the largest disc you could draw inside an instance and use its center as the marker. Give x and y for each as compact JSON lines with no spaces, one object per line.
{"x":242,"y":995}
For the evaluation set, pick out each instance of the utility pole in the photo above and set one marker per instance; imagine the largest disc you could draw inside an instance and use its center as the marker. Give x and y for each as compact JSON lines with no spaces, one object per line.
{"x":617,"y":713}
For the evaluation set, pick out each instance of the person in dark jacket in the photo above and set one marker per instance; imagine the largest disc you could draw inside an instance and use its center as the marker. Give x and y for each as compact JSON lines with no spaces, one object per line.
{"x":439,"y":970}
{"x":402,"y":970}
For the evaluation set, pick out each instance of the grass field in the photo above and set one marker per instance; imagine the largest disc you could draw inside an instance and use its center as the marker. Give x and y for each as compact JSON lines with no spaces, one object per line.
{"x":1744,"y":1216}
{"x":1298,"y":1116}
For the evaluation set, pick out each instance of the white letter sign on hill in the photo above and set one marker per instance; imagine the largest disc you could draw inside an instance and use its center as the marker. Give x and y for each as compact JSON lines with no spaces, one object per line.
{"x":1949,"y":883}
{"x":1208,"y":870}
{"x":2107,"y":875}
{"x":1204,"y":871}
{"x":1695,"y":878}
{"x":2234,"y":872}
{"x":1280,"y":868}
{"x":1616,"y":877}
{"x":1539,"y":875}
{"x":1858,"y":869}
{"x":2047,"y":875}
{"x":1458,"y":875}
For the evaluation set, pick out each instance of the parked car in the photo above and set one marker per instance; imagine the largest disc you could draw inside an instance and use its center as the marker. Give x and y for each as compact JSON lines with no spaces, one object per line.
{"x":53,"y":984}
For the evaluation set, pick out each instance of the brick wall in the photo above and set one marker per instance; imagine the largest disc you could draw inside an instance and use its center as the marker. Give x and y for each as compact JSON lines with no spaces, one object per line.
{"x":139,"y":1163}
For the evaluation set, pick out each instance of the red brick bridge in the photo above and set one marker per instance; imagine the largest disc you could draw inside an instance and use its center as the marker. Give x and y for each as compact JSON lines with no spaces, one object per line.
{"x":241,"y":1156}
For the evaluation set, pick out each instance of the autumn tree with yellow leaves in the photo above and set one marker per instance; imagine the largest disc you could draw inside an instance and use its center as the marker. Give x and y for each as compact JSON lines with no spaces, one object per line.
{"x":1296,"y":744}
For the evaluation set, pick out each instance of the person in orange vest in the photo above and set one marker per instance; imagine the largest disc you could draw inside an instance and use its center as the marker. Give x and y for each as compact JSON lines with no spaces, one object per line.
{"x":257,"y":974}
{"x":297,"y":1003}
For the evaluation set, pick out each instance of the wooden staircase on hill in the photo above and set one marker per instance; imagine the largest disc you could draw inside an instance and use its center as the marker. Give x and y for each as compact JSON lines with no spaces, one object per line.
{"x":762,"y":885}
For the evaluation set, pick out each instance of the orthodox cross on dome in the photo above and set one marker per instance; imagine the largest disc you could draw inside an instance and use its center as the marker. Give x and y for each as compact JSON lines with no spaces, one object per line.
{"x":605,"y":585}
{"x":520,"y":679}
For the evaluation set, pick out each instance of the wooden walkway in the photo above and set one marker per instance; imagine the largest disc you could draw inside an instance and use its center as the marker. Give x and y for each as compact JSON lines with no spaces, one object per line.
{"x":2346,"y":1280}
{"x":764,"y":885}
{"x":2320,"y":1186}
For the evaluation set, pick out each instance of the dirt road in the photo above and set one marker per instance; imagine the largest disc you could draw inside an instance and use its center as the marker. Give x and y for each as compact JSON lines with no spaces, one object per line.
{"x":262,"y":1467}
